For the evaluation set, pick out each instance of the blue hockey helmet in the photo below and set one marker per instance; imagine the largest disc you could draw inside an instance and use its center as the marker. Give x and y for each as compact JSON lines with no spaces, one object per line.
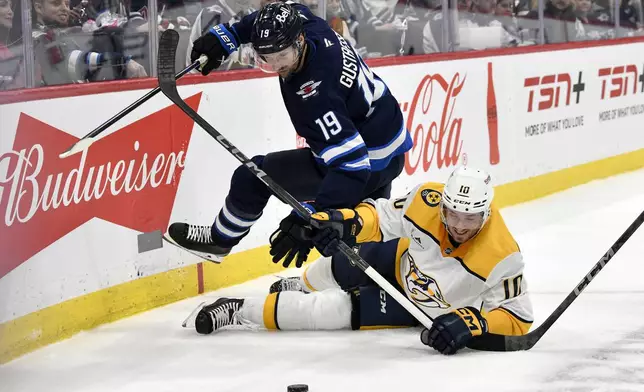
{"x":277,"y":26}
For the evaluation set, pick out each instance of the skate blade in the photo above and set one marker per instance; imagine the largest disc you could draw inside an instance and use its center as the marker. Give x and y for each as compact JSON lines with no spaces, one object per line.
{"x":206,"y":256}
{"x":189,"y":322}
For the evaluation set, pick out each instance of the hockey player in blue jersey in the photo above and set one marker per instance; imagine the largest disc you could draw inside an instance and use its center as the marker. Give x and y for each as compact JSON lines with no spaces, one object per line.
{"x":347,"y":115}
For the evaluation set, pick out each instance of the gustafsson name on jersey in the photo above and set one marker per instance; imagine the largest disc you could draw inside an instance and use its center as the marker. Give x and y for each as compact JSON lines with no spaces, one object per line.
{"x":349,"y":63}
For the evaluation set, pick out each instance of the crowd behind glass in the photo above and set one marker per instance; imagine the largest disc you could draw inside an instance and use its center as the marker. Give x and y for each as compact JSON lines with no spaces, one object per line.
{"x":53,"y":42}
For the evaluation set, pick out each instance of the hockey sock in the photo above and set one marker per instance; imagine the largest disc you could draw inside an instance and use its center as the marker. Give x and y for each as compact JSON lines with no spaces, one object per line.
{"x":319,"y":275}
{"x":294,"y":310}
{"x":232,"y":224}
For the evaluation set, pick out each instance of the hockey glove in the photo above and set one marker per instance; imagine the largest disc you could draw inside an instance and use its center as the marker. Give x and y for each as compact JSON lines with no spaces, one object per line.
{"x":450,"y":332}
{"x":218,"y":43}
{"x":292,"y":240}
{"x":335,"y":226}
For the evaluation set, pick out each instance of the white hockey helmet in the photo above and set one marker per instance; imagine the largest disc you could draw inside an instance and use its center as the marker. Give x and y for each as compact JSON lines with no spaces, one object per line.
{"x":468,"y":190}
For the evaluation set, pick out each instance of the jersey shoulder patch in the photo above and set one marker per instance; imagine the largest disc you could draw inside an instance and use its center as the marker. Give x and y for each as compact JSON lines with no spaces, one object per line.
{"x":423,"y":210}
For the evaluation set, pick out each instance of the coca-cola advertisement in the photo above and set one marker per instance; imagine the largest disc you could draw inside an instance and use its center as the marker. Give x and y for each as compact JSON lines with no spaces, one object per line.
{"x":452,"y":118}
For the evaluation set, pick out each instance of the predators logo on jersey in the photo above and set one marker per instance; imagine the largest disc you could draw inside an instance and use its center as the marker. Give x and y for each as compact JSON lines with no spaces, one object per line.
{"x":423,"y":288}
{"x":431,"y":197}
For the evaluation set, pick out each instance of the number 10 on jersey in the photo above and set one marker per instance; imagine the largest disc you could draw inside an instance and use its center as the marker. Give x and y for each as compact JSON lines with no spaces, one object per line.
{"x":329,"y":125}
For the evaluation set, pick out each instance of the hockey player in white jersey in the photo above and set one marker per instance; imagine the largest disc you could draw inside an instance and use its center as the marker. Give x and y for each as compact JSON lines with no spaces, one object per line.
{"x":445,"y":246}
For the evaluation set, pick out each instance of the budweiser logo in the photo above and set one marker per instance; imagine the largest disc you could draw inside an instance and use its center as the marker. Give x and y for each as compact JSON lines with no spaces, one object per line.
{"x":129,"y":178}
{"x":436,"y":131}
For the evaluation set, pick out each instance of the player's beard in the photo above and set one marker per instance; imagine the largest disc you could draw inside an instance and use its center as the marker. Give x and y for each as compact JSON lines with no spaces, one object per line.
{"x":461,"y":235}
{"x":286,"y":72}
{"x":460,"y":228}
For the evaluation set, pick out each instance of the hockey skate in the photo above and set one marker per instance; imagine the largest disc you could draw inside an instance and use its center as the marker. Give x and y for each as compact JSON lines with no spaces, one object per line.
{"x":294,"y":283}
{"x":196,"y":240}
{"x":219,"y":315}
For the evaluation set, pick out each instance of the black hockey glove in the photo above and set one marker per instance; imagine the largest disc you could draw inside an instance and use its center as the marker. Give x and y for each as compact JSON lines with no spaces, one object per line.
{"x":292,"y":240}
{"x":335,"y":226}
{"x":218,"y":43}
{"x":450,"y":332}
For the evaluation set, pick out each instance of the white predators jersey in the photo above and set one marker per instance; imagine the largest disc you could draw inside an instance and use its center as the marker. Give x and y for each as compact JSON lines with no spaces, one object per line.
{"x":485,"y":272}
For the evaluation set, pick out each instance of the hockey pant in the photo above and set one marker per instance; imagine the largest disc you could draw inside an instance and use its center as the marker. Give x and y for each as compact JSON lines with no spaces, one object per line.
{"x":299,"y":174}
{"x":347,"y":297}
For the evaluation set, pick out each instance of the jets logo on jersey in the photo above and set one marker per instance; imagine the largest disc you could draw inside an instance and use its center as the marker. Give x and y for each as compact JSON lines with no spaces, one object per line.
{"x":308,"y":89}
{"x":423,"y":288}
{"x":431,"y":197}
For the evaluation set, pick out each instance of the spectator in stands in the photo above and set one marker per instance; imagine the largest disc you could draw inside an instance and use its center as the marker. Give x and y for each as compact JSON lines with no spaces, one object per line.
{"x":6,"y":22}
{"x":10,"y":64}
{"x":503,"y":8}
{"x":222,"y":11}
{"x":123,"y":34}
{"x":583,"y":9}
{"x":339,"y":21}
{"x":313,"y":5}
{"x":629,"y":15}
{"x":482,"y":24}
{"x":560,"y":22}
{"x":523,"y":7}
{"x":60,"y":59}
{"x":593,"y":27}
{"x":383,"y":27}
{"x":421,"y":11}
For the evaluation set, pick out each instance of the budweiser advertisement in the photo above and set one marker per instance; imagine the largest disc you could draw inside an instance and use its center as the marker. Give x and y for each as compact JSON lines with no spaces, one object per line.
{"x":70,"y":227}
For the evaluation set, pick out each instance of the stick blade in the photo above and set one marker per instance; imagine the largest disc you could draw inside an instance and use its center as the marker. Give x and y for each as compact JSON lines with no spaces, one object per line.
{"x":167,"y":54}
{"x":77,"y":147}
{"x":494,"y":342}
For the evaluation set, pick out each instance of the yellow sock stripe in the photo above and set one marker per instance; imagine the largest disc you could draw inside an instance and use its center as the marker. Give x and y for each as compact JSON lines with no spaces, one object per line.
{"x":270,"y":311}
{"x":370,"y":225}
{"x":306,"y":280}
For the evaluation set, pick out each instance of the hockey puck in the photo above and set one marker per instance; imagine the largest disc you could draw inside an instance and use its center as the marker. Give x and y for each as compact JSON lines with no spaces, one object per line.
{"x":297,"y":388}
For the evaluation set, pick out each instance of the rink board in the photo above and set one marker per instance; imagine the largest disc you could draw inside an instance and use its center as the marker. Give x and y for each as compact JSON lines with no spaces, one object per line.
{"x":69,"y":237}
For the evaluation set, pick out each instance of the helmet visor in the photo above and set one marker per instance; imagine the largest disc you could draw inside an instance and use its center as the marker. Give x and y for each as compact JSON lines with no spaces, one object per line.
{"x":276,"y":62}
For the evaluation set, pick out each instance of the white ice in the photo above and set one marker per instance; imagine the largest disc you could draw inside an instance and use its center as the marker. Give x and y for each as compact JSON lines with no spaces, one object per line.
{"x":597,"y":345}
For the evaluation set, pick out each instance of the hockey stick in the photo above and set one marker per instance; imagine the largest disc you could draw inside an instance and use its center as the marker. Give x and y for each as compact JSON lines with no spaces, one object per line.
{"x":493,"y":342}
{"x":167,"y":48}
{"x":87,"y":140}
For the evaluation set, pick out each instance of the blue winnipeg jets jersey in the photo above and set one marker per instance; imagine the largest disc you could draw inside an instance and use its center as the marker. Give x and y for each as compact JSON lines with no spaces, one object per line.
{"x":345,"y":112}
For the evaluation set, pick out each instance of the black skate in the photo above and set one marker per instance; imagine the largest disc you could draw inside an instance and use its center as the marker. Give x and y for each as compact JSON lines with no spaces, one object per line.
{"x":218,"y":315}
{"x":197,"y":240}
{"x":288,"y":284}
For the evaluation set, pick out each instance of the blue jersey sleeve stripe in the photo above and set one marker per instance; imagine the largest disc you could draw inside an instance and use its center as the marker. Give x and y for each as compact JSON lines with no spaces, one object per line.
{"x":386,"y":150}
{"x":381,"y":156}
{"x":345,"y":147}
{"x":361,"y":163}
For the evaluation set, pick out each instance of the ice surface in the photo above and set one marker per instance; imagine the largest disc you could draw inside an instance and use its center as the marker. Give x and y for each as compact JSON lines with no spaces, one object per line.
{"x":597,"y":345}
